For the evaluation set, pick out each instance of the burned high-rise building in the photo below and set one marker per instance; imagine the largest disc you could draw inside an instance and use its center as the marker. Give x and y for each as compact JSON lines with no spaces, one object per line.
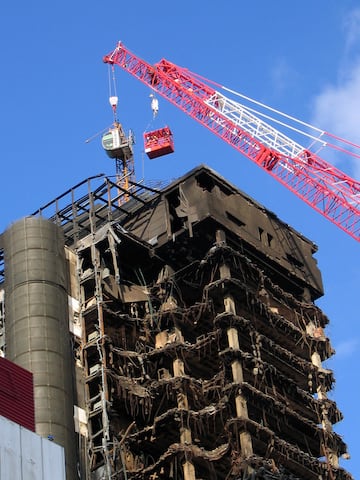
{"x":172,"y":334}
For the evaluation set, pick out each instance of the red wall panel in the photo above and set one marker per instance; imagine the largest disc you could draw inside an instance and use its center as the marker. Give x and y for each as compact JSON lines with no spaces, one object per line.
{"x":17,"y":394}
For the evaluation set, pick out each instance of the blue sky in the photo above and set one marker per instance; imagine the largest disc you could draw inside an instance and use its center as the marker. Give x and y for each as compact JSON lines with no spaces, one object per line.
{"x":299,"y":57}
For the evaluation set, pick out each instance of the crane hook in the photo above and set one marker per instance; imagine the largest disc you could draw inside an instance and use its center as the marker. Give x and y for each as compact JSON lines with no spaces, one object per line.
{"x":154,"y":105}
{"x":113,"y":100}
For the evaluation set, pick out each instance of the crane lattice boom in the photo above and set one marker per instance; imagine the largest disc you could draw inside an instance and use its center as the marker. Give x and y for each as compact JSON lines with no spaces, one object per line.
{"x":322,"y":186}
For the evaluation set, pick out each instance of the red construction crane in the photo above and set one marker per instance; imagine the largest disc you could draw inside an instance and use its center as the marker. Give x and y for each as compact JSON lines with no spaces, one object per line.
{"x":322,"y":186}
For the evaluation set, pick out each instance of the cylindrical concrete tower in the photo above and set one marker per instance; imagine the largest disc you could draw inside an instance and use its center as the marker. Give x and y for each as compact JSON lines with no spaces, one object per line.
{"x":37,"y":327}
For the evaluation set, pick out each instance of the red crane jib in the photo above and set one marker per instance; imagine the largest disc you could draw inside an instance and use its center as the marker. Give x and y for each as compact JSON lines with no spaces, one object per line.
{"x":321,"y":185}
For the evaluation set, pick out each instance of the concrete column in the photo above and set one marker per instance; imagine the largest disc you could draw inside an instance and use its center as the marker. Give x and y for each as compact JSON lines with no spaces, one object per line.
{"x":185,"y":433}
{"x":189,"y":471}
{"x":178,"y":366}
{"x":236,"y":366}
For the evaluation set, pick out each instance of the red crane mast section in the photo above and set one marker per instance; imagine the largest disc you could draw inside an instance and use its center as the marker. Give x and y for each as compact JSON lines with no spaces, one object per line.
{"x":318,"y":183}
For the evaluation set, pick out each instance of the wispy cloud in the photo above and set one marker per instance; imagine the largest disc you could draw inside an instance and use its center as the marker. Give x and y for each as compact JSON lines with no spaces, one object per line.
{"x":347,"y":347}
{"x":351,"y":26}
{"x":282,"y":75}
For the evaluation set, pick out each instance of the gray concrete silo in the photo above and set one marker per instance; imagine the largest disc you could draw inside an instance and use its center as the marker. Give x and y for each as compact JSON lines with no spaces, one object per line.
{"x":37,"y":327}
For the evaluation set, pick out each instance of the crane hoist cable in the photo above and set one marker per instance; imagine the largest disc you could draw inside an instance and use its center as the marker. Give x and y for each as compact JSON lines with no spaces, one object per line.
{"x":157,"y":142}
{"x":154,"y":104}
{"x":113,"y":98}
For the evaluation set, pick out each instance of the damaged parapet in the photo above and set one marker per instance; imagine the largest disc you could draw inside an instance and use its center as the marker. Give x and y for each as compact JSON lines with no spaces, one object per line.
{"x":198,"y":347}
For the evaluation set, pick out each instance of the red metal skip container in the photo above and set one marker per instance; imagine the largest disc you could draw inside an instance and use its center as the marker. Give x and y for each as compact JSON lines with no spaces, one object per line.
{"x":158,"y":142}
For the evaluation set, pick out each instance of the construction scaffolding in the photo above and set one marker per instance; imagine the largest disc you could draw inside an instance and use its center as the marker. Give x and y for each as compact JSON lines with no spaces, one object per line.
{"x":198,"y":348}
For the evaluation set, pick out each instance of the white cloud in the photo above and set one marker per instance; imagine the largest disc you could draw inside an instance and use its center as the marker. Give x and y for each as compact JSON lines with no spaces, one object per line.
{"x":337,"y":107}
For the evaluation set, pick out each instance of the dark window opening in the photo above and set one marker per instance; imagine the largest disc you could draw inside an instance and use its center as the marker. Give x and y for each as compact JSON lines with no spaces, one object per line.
{"x":206,"y":182}
{"x":235,"y":220}
{"x":173,"y":200}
